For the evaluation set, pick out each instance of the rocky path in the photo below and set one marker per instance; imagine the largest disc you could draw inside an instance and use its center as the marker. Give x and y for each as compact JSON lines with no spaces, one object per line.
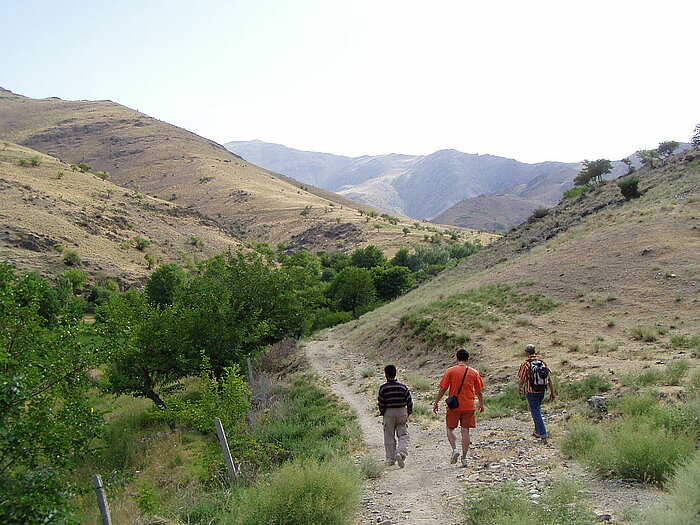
{"x":429,"y":489}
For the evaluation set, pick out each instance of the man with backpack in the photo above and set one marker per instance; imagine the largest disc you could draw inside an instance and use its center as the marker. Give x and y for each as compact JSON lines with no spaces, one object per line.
{"x":463,"y":384}
{"x":535,"y":377}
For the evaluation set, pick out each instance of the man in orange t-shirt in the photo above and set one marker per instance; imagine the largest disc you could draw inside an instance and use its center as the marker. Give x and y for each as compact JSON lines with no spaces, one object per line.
{"x":465,"y":383}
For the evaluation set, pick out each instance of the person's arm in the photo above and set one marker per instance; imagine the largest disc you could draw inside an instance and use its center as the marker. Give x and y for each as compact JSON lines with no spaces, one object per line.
{"x":441,"y":391}
{"x":521,"y":386}
{"x":480,"y":397}
{"x":381,"y":404}
{"x":409,"y":402}
{"x":552,"y":394}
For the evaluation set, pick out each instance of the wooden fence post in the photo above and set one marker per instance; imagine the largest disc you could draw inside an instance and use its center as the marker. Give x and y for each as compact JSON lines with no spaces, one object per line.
{"x":249,"y":366}
{"x":230,"y":466}
{"x":101,"y":500}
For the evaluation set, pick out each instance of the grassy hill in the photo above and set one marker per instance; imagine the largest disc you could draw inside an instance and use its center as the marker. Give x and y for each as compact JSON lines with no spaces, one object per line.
{"x":172,"y":164}
{"x":46,"y":209}
{"x":600,"y":285}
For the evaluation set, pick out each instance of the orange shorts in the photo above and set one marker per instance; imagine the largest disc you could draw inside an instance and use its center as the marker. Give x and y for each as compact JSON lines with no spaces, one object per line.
{"x":462,"y":418}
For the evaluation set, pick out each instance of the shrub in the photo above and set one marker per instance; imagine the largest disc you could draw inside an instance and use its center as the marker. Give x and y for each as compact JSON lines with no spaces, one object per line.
{"x":309,"y":492}
{"x":34,"y":161}
{"x":371,"y":468}
{"x":575,"y":192}
{"x":683,"y":502}
{"x":141,"y":243}
{"x":82,"y":167}
{"x":71,"y":257}
{"x":585,"y":388}
{"x":506,"y":402}
{"x":538,"y":213}
{"x":637,"y":449}
{"x":196,"y":241}
{"x":419,"y":383}
{"x":580,"y":439}
{"x":629,"y":187}
{"x":644,"y":333}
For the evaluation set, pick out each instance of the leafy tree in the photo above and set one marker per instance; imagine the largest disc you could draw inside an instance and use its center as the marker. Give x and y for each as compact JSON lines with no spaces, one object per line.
{"x":628,"y":162}
{"x":695,"y":141}
{"x":402,"y":258}
{"x":647,"y":156}
{"x":164,"y":283}
{"x":368,"y":257}
{"x":76,"y":279}
{"x":353,"y":289}
{"x":141,"y":243}
{"x":46,"y":423}
{"x":667,"y":148}
{"x":593,"y":171}
{"x":392,"y":281}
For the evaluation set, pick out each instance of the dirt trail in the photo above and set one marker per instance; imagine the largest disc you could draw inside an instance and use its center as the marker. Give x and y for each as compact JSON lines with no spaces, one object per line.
{"x":429,"y":489}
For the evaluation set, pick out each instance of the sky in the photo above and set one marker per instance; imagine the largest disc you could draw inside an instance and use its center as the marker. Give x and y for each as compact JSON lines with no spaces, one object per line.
{"x":536,"y":80}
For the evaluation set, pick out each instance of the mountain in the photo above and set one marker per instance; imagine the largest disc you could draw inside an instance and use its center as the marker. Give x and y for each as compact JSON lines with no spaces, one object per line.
{"x":156,"y":159}
{"x":417,"y":186}
{"x":601,"y":285}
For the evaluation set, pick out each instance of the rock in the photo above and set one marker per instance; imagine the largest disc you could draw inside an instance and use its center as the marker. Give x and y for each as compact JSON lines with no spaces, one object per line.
{"x":598,"y":404}
{"x":603,"y":516}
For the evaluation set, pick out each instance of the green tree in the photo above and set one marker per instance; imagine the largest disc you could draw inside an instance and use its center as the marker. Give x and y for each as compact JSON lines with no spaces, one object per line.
{"x":141,"y":243}
{"x":71,"y":257}
{"x":46,"y":423}
{"x":628,"y":162}
{"x":353,"y":289}
{"x":402,"y":258}
{"x":593,"y":171}
{"x":695,"y":141}
{"x":667,"y":148}
{"x":647,"y":156}
{"x":392,"y":281}
{"x":368,"y":257}
{"x":629,"y":186}
{"x":164,"y":283}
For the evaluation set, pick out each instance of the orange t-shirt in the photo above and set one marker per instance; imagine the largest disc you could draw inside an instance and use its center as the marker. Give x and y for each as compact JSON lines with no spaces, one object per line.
{"x":472,"y":384}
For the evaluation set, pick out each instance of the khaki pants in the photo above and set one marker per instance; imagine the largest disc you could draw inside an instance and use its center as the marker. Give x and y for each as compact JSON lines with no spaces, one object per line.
{"x":396,"y":425}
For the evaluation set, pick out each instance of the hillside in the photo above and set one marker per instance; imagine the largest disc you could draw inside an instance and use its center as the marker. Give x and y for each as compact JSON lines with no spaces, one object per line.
{"x":169,"y":163}
{"x":619,"y":284}
{"x":47,"y":206}
{"x":418,"y":186}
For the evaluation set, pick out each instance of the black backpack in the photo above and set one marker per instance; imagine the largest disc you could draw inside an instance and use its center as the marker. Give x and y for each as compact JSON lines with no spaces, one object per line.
{"x":538,"y":375}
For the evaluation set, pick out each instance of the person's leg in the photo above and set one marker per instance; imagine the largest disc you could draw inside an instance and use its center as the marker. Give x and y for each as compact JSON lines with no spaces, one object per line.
{"x":466,"y":441}
{"x":535,"y":402}
{"x":402,"y":434}
{"x":389,"y":423}
{"x":452,"y":422}
{"x":467,"y":421}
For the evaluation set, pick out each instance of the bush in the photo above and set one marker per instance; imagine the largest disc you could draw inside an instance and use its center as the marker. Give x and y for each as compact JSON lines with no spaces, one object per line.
{"x":71,"y":257}
{"x":580,"y":440}
{"x":683,"y":502}
{"x":585,"y":388}
{"x":575,"y":192}
{"x":141,"y":243}
{"x":308,"y":492}
{"x":637,"y":449}
{"x":629,"y":187}
{"x":538,"y":213}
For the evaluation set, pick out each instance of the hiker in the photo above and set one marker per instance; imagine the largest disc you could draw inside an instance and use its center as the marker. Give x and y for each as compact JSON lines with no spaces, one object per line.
{"x":463,"y":384}
{"x":395,"y":405}
{"x":535,"y":377}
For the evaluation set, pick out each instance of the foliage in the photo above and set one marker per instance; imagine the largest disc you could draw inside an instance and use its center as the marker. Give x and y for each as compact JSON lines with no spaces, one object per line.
{"x":629,"y":186}
{"x":575,"y":192}
{"x":584,"y":388}
{"x":593,"y":171}
{"x":667,"y":148}
{"x":695,"y":141}
{"x":71,"y":257}
{"x":46,"y":422}
{"x":165,"y":283}
{"x":368,"y":257}
{"x":308,"y":492}
{"x":506,"y":504}
{"x":538,"y":213}
{"x":647,"y":156}
{"x":141,"y":243}
{"x":353,"y":289}
{"x":683,"y":502}
{"x":392,"y":281}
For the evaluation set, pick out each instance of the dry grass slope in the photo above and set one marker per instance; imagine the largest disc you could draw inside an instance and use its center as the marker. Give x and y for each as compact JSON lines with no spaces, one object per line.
{"x":170,"y":163}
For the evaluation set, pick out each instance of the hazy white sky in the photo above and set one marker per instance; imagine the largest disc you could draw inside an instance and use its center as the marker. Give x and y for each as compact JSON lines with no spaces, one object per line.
{"x":531,"y":80}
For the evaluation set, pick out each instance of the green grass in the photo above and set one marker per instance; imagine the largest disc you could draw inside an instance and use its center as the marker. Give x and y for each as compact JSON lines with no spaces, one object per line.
{"x":302,"y":493}
{"x":420,"y":383}
{"x":671,"y":375}
{"x":506,"y":504}
{"x":584,"y":388}
{"x":505,"y":403}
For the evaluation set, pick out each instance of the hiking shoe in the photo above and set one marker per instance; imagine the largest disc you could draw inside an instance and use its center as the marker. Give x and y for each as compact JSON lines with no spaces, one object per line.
{"x":389,"y":462}
{"x":454,"y":457}
{"x":464,"y":461}
{"x":400,"y":459}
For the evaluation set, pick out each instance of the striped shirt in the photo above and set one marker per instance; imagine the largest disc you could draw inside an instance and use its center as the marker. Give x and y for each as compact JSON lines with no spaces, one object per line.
{"x":524,"y":373}
{"x":393,"y":394}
